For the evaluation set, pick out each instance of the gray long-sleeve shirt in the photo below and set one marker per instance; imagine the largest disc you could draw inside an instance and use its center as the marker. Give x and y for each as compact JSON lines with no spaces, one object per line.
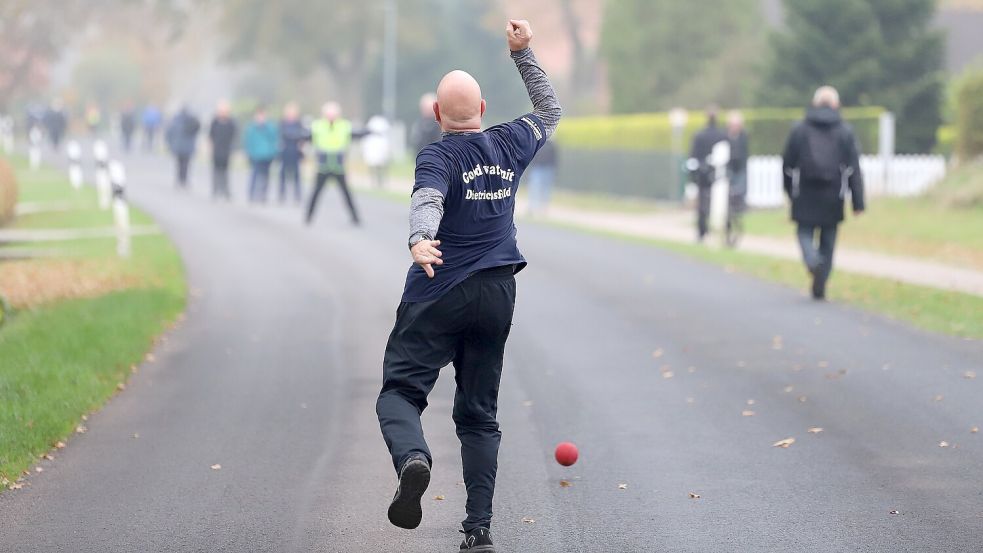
{"x":427,"y":204}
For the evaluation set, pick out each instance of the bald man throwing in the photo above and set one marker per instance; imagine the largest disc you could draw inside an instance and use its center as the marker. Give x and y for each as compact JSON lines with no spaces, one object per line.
{"x":459,"y":295}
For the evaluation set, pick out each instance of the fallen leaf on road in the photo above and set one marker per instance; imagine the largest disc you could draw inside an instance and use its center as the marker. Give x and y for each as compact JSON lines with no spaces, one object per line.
{"x":822,"y":364}
{"x":668,"y":374}
{"x":438,"y":498}
{"x":15,"y":486}
{"x":657,"y":353}
{"x":120,"y":386}
{"x":943,"y":443}
{"x":784,"y":443}
{"x":969,"y":375}
{"x":565,"y":484}
{"x":38,"y":469}
{"x":690,"y":400}
{"x":803,"y":399}
{"x":938,"y":397}
{"x":136,"y":436}
{"x":81,"y":429}
{"x":216,"y":466}
{"x":622,"y":486}
{"x":837,"y":374}
{"x":85,"y":417}
{"x":694,"y":495}
{"x":789,"y":389}
{"x":974,"y":430}
{"x":815,"y":430}
{"x":150,"y":358}
{"x":528,"y":520}
{"x":747,"y":413}
{"x":47,"y":457}
{"x":776,"y":343}
{"x":60,"y":445}
{"x":750,"y":402}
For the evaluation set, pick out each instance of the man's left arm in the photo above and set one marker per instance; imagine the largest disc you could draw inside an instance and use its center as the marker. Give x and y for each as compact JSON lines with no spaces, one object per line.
{"x":856,"y":179}
{"x":546,"y":107}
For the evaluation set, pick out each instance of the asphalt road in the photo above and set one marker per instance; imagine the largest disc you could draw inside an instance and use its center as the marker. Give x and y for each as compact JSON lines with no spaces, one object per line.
{"x":644,"y":358}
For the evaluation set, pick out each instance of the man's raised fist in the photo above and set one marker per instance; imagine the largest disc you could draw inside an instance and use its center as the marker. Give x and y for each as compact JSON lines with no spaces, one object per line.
{"x":519,"y":33}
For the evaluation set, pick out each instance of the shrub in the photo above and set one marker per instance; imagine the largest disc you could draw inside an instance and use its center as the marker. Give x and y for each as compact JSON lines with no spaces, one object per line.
{"x":8,"y":192}
{"x":969,"y":117}
{"x":768,"y":129}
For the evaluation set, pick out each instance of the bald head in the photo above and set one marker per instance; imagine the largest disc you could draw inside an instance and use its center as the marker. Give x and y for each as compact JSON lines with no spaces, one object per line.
{"x":826,"y":96}
{"x":459,"y":104}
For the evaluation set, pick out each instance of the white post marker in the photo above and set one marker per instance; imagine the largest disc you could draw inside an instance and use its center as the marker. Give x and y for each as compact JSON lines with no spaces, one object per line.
{"x":74,"y":152}
{"x":7,"y":134}
{"x":34,"y":150}
{"x":103,"y":187}
{"x":121,"y":209}
{"x":885,"y":147}
{"x":720,"y":193}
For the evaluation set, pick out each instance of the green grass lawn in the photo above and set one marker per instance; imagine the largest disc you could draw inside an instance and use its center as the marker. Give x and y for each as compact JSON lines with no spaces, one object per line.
{"x":927,"y":308}
{"x":61,"y":360}
{"x":945,"y":225}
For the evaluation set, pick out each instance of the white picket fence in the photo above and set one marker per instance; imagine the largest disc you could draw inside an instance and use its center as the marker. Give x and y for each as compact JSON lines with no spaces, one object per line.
{"x":902,"y":175}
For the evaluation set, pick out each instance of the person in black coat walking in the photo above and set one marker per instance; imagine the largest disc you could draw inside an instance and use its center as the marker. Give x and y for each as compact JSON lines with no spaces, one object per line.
{"x":223,"y":133}
{"x":821,"y":165}
{"x":293,"y":134}
{"x":182,"y":135}
{"x":704,"y":174}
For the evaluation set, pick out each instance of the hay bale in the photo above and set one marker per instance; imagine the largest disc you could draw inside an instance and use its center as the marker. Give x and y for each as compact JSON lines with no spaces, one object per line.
{"x":8,"y":193}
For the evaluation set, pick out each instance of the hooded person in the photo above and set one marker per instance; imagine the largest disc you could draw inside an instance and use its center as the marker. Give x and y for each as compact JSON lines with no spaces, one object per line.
{"x":821,"y":167}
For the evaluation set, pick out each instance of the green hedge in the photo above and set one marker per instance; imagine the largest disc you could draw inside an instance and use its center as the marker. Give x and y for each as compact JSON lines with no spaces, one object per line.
{"x":8,"y":192}
{"x":768,"y":129}
{"x":969,"y":117}
{"x":945,"y":140}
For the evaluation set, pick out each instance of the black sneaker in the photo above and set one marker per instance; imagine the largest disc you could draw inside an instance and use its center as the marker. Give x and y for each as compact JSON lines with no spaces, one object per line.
{"x":478,"y":541}
{"x":405,"y":510}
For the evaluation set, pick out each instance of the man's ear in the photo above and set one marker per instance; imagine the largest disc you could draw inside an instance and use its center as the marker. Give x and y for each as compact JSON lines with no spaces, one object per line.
{"x":482,"y":107}
{"x":436,"y":112}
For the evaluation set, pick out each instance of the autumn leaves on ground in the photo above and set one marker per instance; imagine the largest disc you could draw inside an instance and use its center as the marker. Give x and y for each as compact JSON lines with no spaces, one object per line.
{"x":81,"y":318}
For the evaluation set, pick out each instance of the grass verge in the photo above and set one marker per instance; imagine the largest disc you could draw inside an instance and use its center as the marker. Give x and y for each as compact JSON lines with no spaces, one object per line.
{"x":64,"y":358}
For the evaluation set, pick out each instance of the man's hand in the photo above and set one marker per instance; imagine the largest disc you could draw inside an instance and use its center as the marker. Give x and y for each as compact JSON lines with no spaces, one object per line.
{"x":426,"y":254}
{"x":519,"y":33}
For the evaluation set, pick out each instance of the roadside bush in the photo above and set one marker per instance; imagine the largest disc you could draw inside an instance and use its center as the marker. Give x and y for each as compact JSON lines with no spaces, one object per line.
{"x":8,"y":192}
{"x":945,"y":140}
{"x":768,"y":129}
{"x":969,"y":117}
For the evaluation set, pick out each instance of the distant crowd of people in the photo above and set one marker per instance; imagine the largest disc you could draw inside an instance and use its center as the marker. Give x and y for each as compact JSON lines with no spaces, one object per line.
{"x":821,"y":167}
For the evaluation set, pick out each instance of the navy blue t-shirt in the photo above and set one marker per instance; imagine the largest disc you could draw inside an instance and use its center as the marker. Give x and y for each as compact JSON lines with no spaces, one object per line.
{"x":478,"y":174}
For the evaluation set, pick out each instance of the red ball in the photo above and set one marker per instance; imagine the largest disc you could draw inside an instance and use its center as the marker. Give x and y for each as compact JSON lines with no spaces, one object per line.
{"x":566,"y":454}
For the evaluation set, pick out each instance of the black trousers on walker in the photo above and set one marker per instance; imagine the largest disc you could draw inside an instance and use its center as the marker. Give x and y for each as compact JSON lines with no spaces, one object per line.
{"x":468,"y":327}
{"x":319,"y":182}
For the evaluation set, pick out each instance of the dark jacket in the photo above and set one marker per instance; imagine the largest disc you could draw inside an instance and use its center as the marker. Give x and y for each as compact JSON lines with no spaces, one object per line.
{"x":424,"y":131}
{"x":738,"y":152}
{"x":223,"y":133}
{"x":183,"y":133}
{"x":703,"y":144}
{"x":293,"y":134}
{"x":821,"y":164}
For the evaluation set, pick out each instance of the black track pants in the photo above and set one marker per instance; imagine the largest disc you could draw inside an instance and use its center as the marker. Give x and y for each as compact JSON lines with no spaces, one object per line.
{"x":468,"y":327}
